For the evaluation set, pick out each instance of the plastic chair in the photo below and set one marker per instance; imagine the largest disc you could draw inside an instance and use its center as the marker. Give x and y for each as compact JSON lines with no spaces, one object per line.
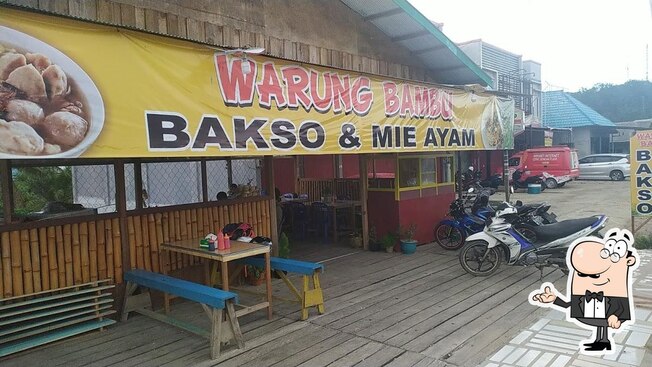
{"x":321,"y":219}
{"x":299,"y":221}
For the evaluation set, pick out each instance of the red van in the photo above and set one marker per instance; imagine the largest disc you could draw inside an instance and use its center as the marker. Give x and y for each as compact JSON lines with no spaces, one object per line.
{"x":557,"y":165}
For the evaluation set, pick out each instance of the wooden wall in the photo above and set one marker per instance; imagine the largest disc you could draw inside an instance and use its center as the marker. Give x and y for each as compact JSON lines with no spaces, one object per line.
{"x":340,"y":187}
{"x":38,"y":257}
{"x":160,"y":17}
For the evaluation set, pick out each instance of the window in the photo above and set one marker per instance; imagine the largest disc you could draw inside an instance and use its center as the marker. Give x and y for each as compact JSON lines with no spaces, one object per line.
{"x":586,"y":160}
{"x":408,"y":171}
{"x":427,"y":171}
{"x":444,"y":169}
{"x":514,"y":162}
{"x":603,"y":159}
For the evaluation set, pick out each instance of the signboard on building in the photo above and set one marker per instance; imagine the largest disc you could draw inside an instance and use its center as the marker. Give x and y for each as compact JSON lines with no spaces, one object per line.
{"x":547,"y":138}
{"x":75,"y":89}
{"x":641,"y":173}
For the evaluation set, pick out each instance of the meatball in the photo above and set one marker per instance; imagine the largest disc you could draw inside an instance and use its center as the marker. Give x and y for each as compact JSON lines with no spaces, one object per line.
{"x":40,"y":61}
{"x":56,"y":82}
{"x":25,"y":111}
{"x":17,"y":137}
{"x":10,"y":62}
{"x":29,"y":80}
{"x":63,"y":128}
{"x":51,"y":149}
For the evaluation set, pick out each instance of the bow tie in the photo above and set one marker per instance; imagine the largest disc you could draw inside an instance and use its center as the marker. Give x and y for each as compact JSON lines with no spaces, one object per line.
{"x":592,"y":295}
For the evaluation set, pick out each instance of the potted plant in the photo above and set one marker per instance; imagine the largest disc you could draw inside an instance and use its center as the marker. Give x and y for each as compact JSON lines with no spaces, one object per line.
{"x":355,"y":240}
{"x":408,"y":243}
{"x":255,"y":275}
{"x":388,"y":242}
{"x":374,"y":244}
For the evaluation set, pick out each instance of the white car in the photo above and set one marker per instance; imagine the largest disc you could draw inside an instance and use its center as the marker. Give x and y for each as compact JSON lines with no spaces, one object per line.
{"x":605,"y":166}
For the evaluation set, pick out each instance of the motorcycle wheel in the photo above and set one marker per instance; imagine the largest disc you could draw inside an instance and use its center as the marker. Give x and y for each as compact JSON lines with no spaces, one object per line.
{"x":478,"y":260}
{"x":449,"y":237}
{"x":551,"y":183}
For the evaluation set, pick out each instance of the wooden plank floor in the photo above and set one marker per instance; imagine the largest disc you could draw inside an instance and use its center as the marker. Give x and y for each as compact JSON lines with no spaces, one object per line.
{"x":381,"y":310}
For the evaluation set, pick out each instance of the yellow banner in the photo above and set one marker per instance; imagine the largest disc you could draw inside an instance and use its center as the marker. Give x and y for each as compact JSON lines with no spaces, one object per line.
{"x":75,"y":89}
{"x":640,"y":157}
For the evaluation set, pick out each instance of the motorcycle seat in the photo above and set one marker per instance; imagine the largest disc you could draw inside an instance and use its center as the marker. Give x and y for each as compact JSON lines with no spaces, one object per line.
{"x":550,"y":232}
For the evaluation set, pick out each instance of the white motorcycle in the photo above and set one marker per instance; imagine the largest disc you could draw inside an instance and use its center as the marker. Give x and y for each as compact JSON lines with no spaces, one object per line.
{"x":485,"y":251}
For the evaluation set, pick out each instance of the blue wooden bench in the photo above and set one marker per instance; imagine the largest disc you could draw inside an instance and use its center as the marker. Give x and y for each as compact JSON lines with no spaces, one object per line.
{"x":308,"y":297}
{"x":214,"y":301}
{"x":39,"y":318}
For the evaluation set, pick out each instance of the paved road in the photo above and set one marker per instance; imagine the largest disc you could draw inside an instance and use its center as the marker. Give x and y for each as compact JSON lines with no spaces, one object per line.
{"x":552,"y":341}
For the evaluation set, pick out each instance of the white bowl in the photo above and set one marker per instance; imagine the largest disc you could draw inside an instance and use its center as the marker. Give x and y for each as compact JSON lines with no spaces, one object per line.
{"x":92,"y":98}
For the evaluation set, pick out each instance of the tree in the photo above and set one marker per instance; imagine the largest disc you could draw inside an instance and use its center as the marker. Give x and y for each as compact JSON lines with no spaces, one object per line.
{"x":36,"y":186}
{"x":625,"y":102}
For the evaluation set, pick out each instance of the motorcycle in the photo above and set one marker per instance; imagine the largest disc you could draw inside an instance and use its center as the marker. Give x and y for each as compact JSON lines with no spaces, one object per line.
{"x":518,"y":183}
{"x":450,"y":234}
{"x":484,"y":251}
{"x":492,"y":181}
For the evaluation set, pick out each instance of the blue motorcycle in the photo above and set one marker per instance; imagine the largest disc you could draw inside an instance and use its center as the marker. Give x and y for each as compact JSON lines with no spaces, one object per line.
{"x":450,"y":234}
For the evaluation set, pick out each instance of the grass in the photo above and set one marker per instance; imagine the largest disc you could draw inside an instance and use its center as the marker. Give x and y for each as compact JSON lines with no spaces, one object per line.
{"x":643,"y":242}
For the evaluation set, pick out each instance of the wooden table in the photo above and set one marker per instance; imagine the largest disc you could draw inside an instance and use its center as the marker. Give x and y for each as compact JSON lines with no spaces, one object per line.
{"x":342,"y":204}
{"x":238,"y":250}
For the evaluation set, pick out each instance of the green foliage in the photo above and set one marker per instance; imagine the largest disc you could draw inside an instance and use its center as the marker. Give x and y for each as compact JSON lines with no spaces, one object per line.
{"x":625,"y":102}
{"x":407,"y":232}
{"x":643,"y":242}
{"x":388,"y":240}
{"x":283,"y":246}
{"x":35,"y":186}
{"x":255,"y":272}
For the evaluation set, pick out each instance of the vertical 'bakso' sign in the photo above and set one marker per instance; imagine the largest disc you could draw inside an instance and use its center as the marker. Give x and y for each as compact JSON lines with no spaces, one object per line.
{"x":640,"y":146}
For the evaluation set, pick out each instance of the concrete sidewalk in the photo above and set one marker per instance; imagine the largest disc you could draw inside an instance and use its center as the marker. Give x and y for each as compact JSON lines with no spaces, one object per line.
{"x":553,"y":341}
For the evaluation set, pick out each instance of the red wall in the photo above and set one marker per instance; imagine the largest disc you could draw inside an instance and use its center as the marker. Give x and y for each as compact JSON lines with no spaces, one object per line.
{"x":318,"y":166}
{"x":350,"y":166}
{"x":383,"y":212}
{"x":425,"y":212}
{"x":284,"y":174}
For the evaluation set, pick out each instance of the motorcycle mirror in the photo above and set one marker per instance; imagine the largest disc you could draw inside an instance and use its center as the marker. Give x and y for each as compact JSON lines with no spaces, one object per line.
{"x":511,"y":189}
{"x":519,"y":203}
{"x":470,"y":190}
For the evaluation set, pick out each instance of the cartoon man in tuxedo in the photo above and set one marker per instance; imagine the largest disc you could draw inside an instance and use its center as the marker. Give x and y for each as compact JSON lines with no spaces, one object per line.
{"x":600,"y":285}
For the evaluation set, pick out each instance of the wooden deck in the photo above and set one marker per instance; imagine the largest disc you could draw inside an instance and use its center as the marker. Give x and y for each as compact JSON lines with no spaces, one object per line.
{"x":381,"y":310}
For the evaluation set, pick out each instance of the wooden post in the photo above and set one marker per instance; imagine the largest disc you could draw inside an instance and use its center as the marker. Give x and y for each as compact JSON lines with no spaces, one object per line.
{"x":138,"y":185}
{"x":268,"y":166}
{"x":7,"y":185}
{"x":296,"y":174}
{"x":364,"y":185}
{"x":121,"y":206}
{"x":229,"y":172}
{"x":204,"y":181}
{"x":506,"y":174}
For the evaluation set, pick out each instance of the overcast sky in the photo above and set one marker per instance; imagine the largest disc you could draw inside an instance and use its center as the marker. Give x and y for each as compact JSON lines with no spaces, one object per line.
{"x":578,"y":42}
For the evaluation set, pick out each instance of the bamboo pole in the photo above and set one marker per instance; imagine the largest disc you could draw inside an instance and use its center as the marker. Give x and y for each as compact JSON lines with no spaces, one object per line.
{"x":153,"y":241}
{"x":16,"y":266}
{"x":67,"y":251}
{"x":159,"y":240}
{"x":76,"y":254}
{"x":52,"y":258}
{"x":7,"y":285}
{"x":61,"y":261}
{"x":83,"y":238}
{"x":108,"y":240}
{"x":147,"y":259}
{"x":201,"y":226}
{"x":28,"y":283}
{"x":43,"y":253}
{"x":36,"y":260}
{"x":101,"y":250}
{"x":132,"y":241}
{"x":117,"y":250}
{"x":140,"y":258}
{"x":183,"y":223}
{"x":193,"y":223}
{"x":210,"y":220}
{"x":167,"y":258}
{"x":92,"y":250}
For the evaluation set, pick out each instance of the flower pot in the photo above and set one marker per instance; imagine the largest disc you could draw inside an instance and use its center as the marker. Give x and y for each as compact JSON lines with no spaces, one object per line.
{"x":355,"y":241}
{"x":408,"y":246}
{"x":389,"y":249}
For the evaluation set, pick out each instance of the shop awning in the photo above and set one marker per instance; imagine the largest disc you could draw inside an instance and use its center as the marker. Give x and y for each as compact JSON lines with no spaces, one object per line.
{"x":405,"y":25}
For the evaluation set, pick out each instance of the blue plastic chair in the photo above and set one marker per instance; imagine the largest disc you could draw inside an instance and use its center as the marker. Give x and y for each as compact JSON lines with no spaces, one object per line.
{"x":321,"y":219}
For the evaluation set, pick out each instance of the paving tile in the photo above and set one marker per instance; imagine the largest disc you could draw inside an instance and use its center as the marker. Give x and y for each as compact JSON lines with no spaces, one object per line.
{"x":642,"y":314}
{"x":556,"y":315}
{"x":567,"y":330}
{"x":528,"y":358}
{"x":637,"y":339}
{"x":559,"y":339}
{"x":544,"y":359}
{"x":549,"y":348}
{"x":596,"y":360}
{"x":633,"y":356}
{"x":521,"y":337}
{"x":555,"y":344}
{"x":516,"y":354}
{"x":616,"y":353}
{"x":620,"y":337}
{"x":539,"y":324}
{"x":502,"y":353}
{"x":561,"y":361}
{"x":491,"y":365}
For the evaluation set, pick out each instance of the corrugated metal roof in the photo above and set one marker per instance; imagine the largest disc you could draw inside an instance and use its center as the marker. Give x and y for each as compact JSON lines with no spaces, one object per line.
{"x":560,"y":109}
{"x":405,"y":25}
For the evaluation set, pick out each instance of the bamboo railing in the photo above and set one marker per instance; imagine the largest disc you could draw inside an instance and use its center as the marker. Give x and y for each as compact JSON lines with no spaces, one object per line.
{"x":342,"y":188}
{"x":37,"y":257}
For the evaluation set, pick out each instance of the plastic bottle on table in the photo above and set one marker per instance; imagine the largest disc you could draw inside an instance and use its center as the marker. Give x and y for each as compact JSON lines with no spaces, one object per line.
{"x":227,"y":242}
{"x":220,"y":241}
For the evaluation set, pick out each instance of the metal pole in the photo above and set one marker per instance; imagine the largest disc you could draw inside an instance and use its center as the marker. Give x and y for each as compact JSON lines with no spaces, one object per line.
{"x":506,"y":174}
